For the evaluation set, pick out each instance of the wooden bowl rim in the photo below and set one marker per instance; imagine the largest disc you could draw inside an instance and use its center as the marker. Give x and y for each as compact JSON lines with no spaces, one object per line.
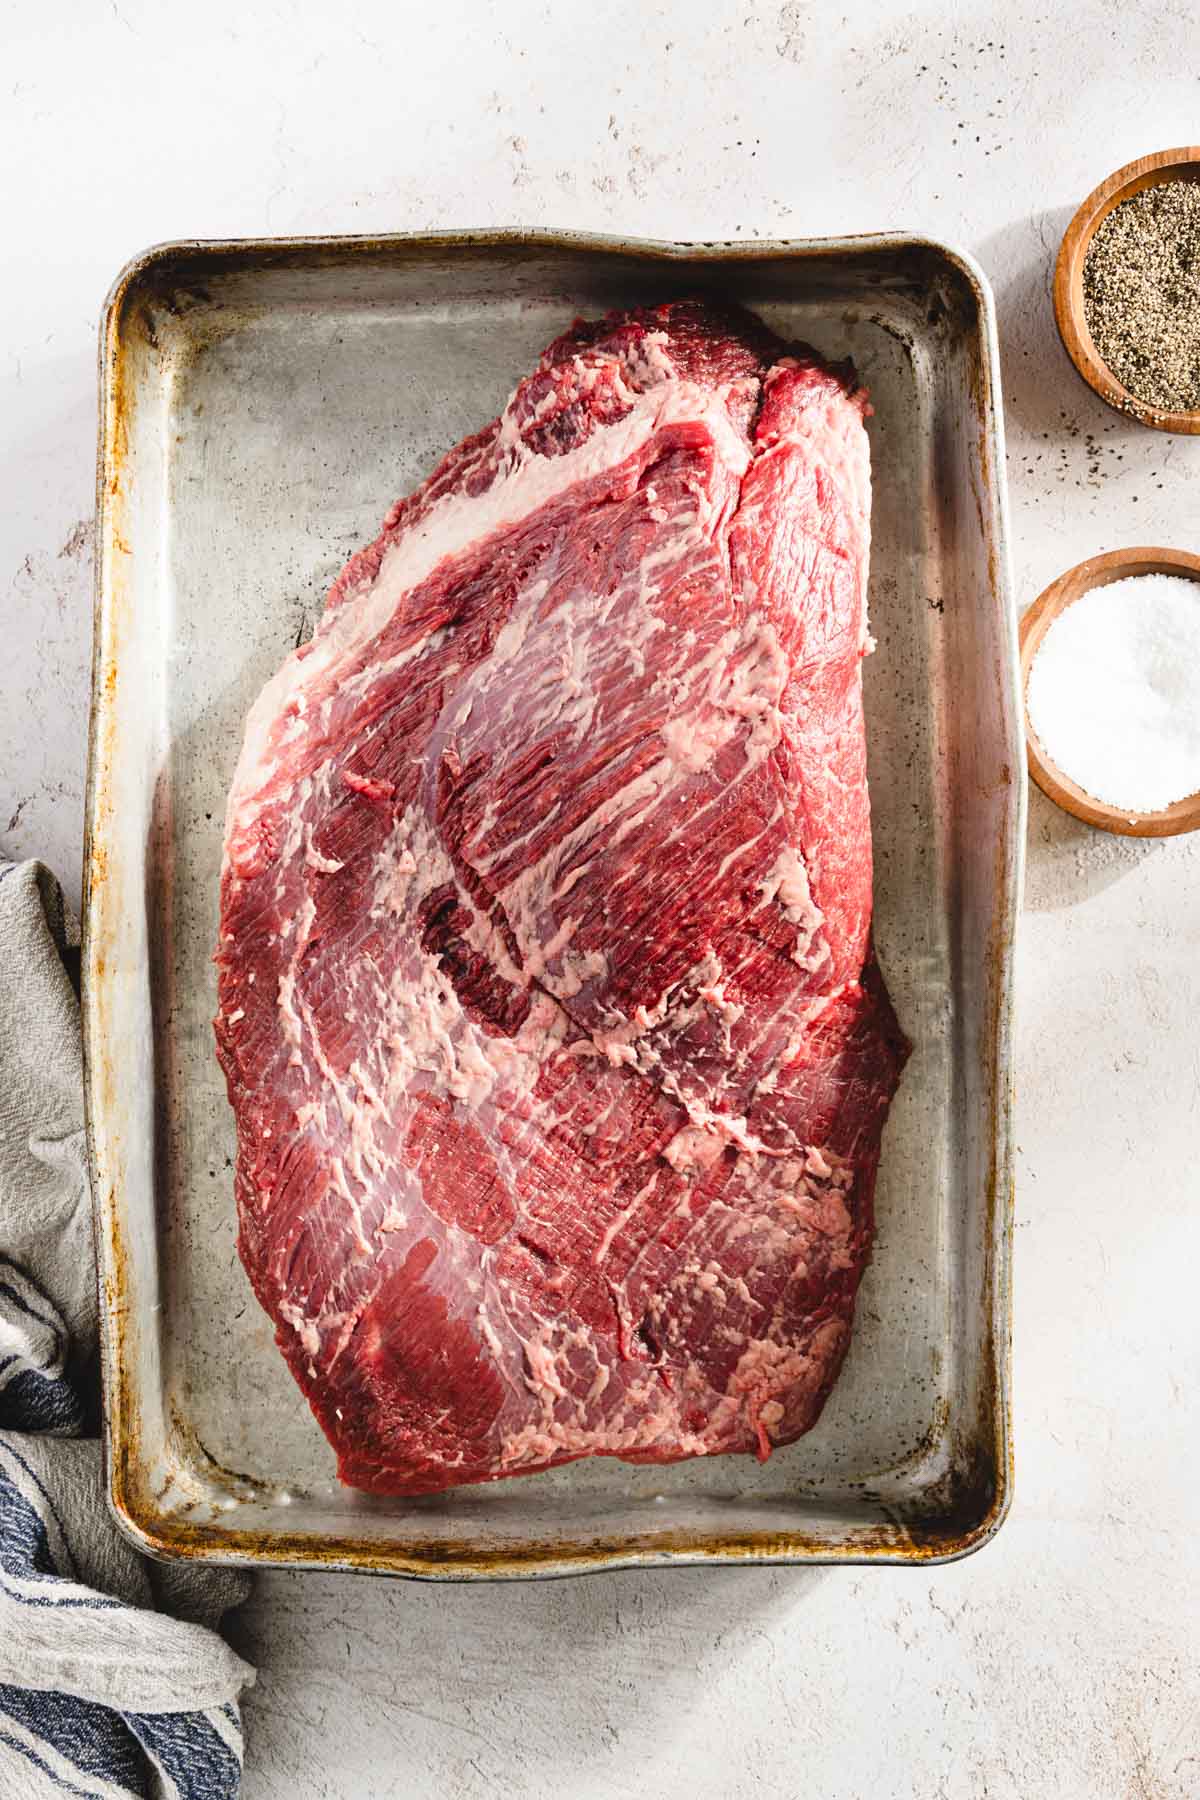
{"x":1069,"y":312}
{"x":1098,"y":571}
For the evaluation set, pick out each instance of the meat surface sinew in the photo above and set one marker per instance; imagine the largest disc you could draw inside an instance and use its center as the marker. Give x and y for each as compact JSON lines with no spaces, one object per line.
{"x":547,"y":1003}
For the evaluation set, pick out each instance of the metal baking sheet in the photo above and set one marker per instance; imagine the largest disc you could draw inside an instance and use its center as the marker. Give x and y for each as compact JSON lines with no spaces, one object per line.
{"x":262,"y":404}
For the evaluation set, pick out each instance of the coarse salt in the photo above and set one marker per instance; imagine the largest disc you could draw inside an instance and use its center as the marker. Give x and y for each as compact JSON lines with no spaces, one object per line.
{"x":1114,"y":692}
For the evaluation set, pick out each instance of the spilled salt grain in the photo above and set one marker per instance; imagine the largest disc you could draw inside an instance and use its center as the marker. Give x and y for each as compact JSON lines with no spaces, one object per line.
{"x":1114,"y":692}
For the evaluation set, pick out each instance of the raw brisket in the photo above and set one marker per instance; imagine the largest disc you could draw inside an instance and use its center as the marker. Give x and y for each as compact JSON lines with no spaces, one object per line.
{"x":547,"y":1003}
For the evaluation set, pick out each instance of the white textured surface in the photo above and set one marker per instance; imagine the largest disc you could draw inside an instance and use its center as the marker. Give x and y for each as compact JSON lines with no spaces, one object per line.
{"x":1062,"y":1661}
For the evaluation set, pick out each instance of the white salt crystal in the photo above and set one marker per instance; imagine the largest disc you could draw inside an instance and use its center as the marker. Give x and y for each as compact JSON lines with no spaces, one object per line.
{"x":1114,"y":692}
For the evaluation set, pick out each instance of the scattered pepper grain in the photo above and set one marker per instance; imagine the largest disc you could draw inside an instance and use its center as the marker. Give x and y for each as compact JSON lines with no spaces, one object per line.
{"x":1141,"y":294}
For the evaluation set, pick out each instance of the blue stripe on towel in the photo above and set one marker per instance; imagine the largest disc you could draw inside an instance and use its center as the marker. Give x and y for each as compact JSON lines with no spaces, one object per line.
{"x":49,"y":1320}
{"x":190,"y":1752}
{"x":30,"y":1755}
{"x":25,"y":1557}
{"x":95,"y":1740}
{"x":24,"y":1544}
{"x":31,"y":1401}
{"x":12,"y":1451}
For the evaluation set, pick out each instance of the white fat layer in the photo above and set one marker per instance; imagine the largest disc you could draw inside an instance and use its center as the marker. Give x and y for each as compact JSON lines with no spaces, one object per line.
{"x":525,"y":483}
{"x":620,"y":1219}
{"x":787,"y":882}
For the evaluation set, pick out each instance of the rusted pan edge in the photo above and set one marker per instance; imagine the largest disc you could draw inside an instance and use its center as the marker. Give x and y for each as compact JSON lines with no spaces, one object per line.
{"x":103,"y":1141}
{"x":1009,"y":888}
{"x":975,"y":1506}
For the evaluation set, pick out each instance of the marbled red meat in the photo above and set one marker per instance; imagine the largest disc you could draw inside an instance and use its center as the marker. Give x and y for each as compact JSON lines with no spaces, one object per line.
{"x":547,"y":1003}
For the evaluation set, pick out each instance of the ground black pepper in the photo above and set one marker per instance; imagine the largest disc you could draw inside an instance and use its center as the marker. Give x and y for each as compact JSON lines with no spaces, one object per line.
{"x":1141,"y":294}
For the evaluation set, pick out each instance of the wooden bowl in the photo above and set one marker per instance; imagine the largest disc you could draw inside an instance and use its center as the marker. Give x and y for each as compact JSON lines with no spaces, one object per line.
{"x":1098,"y":571}
{"x":1147,"y":171}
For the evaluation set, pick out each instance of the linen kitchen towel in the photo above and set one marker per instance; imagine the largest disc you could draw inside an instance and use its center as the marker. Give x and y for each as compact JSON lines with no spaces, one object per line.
{"x":113,"y":1678}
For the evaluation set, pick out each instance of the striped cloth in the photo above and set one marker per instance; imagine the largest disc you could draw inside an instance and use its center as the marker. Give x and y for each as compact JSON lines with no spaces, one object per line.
{"x":113,"y":1678}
